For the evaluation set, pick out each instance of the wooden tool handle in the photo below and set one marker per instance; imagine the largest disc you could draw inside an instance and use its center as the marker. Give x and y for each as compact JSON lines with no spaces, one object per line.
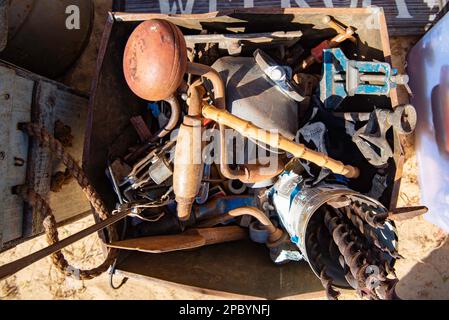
{"x":347,"y":32}
{"x":222,"y":234}
{"x":191,"y":239}
{"x":276,"y":140}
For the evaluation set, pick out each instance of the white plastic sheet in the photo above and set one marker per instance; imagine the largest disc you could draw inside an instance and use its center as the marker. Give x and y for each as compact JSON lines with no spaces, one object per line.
{"x":428,"y":68}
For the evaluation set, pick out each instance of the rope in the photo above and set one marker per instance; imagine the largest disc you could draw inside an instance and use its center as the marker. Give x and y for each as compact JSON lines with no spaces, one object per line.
{"x":50,"y":226}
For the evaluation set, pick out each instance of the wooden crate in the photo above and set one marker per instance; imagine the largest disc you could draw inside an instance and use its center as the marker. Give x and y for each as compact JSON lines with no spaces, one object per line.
{"x":26,"y":97}
{"x":243,"y":268}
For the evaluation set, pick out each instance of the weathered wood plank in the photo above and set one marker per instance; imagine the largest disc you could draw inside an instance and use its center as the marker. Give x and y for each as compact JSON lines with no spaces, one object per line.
{"x":404,"y":17}
{"x":15,"y":106}
{"x":39,"y":158}
{"x":3,"y":23}
{"x":33,"y":98}
{"x":71,"y":110}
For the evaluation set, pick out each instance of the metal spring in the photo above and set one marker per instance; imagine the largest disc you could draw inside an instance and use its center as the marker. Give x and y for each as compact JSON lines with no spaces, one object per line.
{"x":353,"y":257}
{"x":326,"y":280}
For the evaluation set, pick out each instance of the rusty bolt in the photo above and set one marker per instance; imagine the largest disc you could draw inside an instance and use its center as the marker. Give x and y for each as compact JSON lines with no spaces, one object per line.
{"x":19,"y":162}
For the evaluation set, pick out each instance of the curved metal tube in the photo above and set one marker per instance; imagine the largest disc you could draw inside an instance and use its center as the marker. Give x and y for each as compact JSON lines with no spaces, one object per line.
{"x":174,"y":118}
{"x":214,"y":77}
{"x":195,"y":93}
{"x":275,"y":233}
{"x":244,"y":174}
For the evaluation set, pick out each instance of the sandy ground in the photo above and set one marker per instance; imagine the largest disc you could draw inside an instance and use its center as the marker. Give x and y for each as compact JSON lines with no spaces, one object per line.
{"x":423,"y":274}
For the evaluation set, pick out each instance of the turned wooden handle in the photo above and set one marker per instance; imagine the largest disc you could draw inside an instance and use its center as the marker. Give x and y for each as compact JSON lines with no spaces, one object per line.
{"x":276,"y":140}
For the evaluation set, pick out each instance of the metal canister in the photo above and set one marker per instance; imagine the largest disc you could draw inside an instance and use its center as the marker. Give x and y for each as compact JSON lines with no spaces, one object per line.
{"x":296,"y":205}
{"x":42,"y":35}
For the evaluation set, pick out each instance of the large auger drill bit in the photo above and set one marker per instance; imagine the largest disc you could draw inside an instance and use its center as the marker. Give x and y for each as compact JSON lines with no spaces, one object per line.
{"x":367,"y":219}
{"x":352,"y":256}
{"x":373,"y":216}
{"x":318,"y":244}
{"x":316,"y":255}
{"x":336,"y":255}
{"x":360,"y":261}
{"x":375,"y":255}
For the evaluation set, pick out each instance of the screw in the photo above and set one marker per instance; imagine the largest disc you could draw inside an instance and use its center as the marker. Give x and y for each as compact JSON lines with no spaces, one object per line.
{"x":19,"y":162}
{"x":6,"y":96}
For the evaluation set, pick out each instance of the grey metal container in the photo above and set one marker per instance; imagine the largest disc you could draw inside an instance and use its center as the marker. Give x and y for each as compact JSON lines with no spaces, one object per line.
{"x":38,"y":37}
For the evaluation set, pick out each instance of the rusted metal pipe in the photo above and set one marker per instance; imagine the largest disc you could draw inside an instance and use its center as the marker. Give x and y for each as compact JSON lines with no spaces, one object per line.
{"x":275,"y":233}
{"x":248,"y":173}
{"x":255,"y":173}
{"x":195,"y":94}
{"x":220,"y":102}
{"x":214,"y":77}
{"x":175,"y":109}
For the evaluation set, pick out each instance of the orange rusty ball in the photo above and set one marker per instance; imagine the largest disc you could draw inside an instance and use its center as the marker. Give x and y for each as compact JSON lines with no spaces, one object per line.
{"x":155,"y":59}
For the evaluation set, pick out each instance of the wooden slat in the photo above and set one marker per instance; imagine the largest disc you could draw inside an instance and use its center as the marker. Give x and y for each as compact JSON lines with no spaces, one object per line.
{"x":39,"y":167}
{"x":71,"y":110}
{"x":404,"y":17}
{"x":15,"y":106}
{"x":3,"y":23}
{"x":33,"y":98}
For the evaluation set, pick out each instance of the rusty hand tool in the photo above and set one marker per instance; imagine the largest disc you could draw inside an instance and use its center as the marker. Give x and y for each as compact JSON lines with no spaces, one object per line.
{"x":154,"y":64}
{"x":13,"y":267}
{"x":191,"y":239}
{"x":317,"y":52}
{"x":374,"y":219}
{"x":278,"y":141}
{"x":401,"y":214}
{"x":373,"y":216}
{"x":371,"y":139}
{"x":356,"y":260}
{"x":347,"y":33}
{"x":316,"y":257}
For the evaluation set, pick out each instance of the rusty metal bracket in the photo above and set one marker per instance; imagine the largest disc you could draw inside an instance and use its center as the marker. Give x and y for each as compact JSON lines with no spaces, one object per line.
{"x":234,"y":43}
{"x":371,"y":139}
